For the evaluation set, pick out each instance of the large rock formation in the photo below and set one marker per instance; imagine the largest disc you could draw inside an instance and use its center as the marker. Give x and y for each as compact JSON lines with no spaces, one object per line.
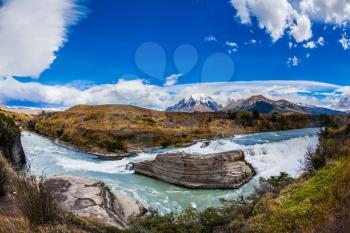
{"x":10,"y":142}
{"x":222,"y":170}
{"x":89,"y":198}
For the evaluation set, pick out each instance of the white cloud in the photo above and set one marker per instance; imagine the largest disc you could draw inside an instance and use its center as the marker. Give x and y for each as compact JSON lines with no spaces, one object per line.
{"x":272,"y":15}
{"x":295,"y":17}
{"x":345,"y":42}
{"x":275,"y":16}
{"x":242,"y":10}
{"x":231,"y":44}
{"x":138,"y":92}
{"x":293,"y":61}
{"x":210,"y":38}
{"x":292,"y":45}
{"x":301,"y":31}
{"x":233,"y":47}
{"x":330,"y":11}
{"x":314,"y":44}
{"x":172,"y":79}
{"x":251,"y":42}
{"x":31,"y":32}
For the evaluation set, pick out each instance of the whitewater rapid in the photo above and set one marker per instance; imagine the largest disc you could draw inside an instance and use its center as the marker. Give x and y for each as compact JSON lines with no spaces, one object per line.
{"x":269,"y":153}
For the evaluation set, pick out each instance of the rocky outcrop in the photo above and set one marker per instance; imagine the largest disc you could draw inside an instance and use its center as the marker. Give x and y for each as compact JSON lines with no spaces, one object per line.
{"x":10,"y":142}
{"x":89,"y":198}
{"x":223,"y":170}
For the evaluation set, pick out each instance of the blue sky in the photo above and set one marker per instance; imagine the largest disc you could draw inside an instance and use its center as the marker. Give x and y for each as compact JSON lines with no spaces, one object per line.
{"x":102,"y":47}
{"x":84,"y":46}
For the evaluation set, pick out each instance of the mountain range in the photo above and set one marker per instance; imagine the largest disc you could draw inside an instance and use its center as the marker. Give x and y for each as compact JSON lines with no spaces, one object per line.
{"x":257,"y":103}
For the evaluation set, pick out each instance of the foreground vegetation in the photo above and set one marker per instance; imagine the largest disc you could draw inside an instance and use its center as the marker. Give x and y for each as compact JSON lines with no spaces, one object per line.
{"x":119,"y":128}
{"x":26,"y":204}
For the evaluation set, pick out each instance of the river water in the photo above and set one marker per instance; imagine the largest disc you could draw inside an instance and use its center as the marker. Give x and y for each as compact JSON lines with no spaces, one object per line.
{"x":269,"y":153}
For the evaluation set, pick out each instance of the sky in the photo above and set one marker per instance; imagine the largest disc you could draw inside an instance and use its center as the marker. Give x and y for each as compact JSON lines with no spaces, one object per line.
{"x":153,"y":53}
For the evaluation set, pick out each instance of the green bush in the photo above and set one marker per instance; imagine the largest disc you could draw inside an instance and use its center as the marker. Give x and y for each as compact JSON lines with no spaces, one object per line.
{"x":347,"y":129}
{"x":256,"y":115}
{"x":232,"y":115}
{"x":274,"y":184}
{"x":35,"y":201}
{"x":115,"y":145}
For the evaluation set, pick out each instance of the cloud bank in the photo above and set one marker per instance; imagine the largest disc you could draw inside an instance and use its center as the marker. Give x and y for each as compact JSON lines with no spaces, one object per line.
{"x":140,"y":93}
{"x":31,"y":32}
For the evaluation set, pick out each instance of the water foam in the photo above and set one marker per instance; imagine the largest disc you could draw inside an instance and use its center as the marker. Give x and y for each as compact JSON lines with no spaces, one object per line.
{"x":104,"y":167}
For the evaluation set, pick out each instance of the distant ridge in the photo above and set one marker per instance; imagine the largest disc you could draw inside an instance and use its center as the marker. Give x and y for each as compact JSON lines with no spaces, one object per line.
{"x":257,"y":103}
{"x":262,"y":104}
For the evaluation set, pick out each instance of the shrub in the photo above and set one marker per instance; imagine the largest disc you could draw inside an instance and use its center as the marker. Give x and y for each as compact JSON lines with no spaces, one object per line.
{"x":35,"y":201}
{"x":232,"y":115}
{"x":165,"y":143}
{"x":347,"y":129}
{"x":310,"y":161}
{"x":113,"y":146}
{"x":327,"y":121}
{"x":4,"y":175}
{"x":274,"y":184}
{"x":245,"y":118}
{"x":256,"y":115}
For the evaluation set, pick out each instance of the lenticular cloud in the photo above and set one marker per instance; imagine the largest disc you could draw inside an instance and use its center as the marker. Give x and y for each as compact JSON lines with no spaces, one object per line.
{"x":31,"y":32}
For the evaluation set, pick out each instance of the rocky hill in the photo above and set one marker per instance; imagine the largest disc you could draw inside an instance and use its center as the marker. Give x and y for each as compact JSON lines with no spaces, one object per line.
{"x":120,"y":130}
{"x":20,"y":118}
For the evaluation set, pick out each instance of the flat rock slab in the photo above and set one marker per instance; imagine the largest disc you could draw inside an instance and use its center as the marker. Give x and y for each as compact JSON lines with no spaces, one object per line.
{"x":226,"y":170}
{"x":94,"y":199}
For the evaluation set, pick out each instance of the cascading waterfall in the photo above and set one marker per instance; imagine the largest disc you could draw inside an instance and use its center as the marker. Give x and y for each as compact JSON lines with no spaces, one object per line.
{"x":269,"y":153}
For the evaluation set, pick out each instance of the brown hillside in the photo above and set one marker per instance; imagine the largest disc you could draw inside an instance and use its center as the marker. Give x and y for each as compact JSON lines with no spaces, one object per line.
{"x":117,"y":129}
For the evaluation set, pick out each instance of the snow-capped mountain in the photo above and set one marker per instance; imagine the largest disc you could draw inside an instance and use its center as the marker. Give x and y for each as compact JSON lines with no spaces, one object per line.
{"x":195,"y":103}
{"x":262,"y":104}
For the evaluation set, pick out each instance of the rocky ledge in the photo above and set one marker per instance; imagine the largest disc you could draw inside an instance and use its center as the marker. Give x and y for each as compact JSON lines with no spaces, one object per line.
{"x":89,"y":198}
{"x":223,"y":170}
{"x":10,"y":143}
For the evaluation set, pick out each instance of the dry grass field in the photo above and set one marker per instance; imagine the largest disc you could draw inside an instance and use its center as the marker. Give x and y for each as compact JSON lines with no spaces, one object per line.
{"x":121,"y":129}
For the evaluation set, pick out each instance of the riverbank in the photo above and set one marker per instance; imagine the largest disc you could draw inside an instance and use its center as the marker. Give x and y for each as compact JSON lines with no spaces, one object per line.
{"x":118,"y":131}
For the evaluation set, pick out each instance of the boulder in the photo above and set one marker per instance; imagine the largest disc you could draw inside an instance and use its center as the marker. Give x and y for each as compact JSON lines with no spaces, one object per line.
{"x":226,"y":170}
{"x":88,"y":198}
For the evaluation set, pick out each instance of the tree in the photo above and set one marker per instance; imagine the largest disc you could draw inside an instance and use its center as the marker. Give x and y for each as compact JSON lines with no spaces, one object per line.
{"x":256,"y":114}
